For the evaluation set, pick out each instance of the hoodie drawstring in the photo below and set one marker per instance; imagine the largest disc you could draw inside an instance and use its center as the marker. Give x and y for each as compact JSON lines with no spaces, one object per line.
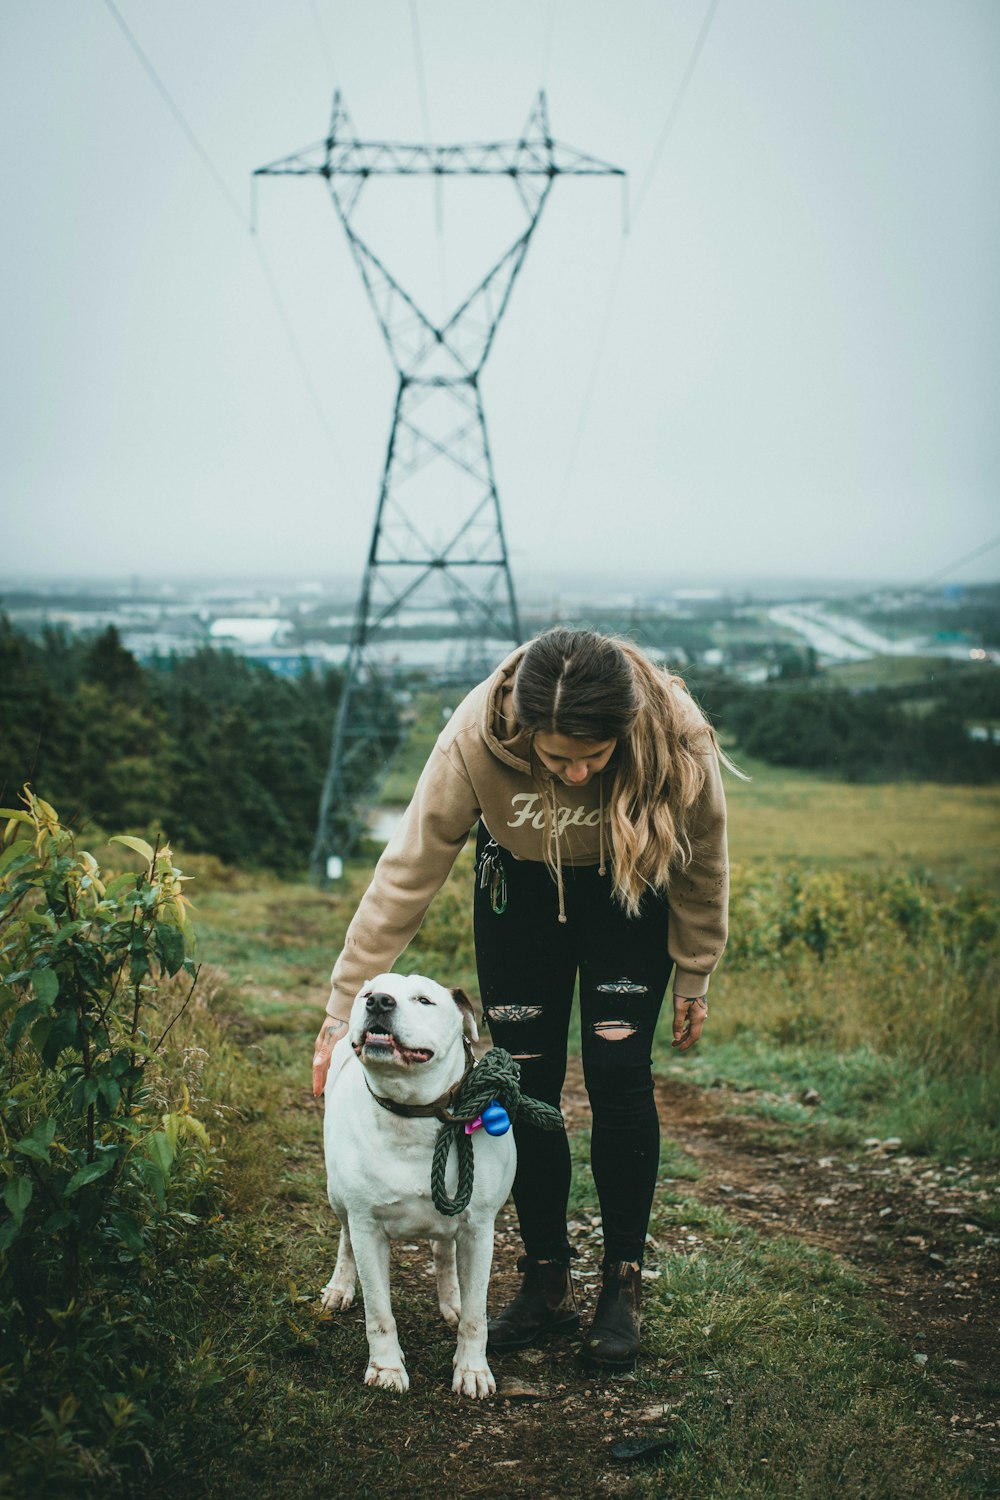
{"x":555,"y":835}
{"x":601,"y":868}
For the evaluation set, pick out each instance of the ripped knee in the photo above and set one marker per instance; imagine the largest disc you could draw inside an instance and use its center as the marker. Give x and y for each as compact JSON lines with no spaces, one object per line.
{"x":613,"y":1031}
{"x":513,"y":1013}
{"x":622,"y":986}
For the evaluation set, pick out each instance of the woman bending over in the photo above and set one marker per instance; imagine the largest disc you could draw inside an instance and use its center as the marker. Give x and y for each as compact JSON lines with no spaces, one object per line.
{"x":601,"y":855}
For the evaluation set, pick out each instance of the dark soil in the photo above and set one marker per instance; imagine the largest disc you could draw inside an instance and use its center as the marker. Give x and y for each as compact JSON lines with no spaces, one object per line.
{"x":923,"y":1237}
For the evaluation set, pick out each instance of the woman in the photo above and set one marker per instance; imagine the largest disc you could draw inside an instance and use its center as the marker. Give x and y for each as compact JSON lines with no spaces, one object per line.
{"x":601,"y":853}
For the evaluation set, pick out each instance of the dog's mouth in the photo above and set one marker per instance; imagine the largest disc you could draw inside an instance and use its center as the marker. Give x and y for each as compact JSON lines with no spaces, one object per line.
{"x":378,"y":1045}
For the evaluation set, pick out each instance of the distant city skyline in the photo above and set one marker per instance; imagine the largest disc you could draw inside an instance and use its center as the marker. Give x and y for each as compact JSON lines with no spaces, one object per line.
{"x":526,"y":582}
{"x":789,"y":369}
{"x":601,"y":587}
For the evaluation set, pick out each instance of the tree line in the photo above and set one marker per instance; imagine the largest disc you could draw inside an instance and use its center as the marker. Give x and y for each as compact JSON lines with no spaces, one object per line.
{"x":916,"y":731}
{"x":225,"y":755}
{"x":229,"y":758}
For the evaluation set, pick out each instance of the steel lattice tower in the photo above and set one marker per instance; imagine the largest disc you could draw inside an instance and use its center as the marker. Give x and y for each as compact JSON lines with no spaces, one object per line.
{"x":449,"y":548}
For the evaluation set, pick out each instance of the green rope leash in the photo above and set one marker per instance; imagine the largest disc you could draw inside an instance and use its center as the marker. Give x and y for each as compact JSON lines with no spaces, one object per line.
{"x":497,"y":1076}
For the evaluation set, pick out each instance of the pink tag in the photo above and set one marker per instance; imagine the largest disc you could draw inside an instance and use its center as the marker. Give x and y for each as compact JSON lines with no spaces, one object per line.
{"x":473,"y":1124}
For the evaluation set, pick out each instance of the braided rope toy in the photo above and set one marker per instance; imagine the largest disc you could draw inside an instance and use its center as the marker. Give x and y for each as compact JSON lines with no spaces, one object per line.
{"x":495,"y":1080}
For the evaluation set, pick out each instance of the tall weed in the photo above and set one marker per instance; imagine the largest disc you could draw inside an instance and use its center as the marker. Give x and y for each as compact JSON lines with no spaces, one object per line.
{"x":885,"y":961}
{"x":110,"y":1185}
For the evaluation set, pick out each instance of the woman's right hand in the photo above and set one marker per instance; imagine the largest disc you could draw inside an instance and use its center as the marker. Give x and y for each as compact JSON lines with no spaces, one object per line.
{"x":330,"y":1034}
{"x":690,"y":1016}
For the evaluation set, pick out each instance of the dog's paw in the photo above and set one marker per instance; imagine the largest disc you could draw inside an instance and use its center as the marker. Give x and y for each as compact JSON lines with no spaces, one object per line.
{"x":337,"y":1298}
{"x":387,"y":1377}
{"x":476,"y":1382}
{"x":451,"y":1312}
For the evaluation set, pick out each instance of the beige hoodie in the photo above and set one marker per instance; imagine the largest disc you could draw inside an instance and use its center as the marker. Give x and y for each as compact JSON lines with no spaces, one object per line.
{"x":480,"y":767}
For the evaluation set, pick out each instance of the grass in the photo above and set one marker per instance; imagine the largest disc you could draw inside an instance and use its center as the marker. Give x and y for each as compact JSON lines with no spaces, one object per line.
{"x":429,"y":713}
{"x":790,"y":1385}
{"x":770,"y":1366}
{"x":783,"y":815}
{"x":862,"y":1094}
{"x":773,"y":1370}
{"x":899,"y":1037}
{"x":894,"y":671}
{"x":769,"y":1361}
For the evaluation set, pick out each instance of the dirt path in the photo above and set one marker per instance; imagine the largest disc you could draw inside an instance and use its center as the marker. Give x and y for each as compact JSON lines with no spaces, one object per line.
{"x":918,"y":1235}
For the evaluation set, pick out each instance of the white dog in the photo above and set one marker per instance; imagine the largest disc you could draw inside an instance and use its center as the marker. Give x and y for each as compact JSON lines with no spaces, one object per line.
{"x":408,"y":1044}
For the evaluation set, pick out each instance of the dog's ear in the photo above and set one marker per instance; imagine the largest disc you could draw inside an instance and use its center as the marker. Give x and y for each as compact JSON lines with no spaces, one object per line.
{"x":464,"y":1004}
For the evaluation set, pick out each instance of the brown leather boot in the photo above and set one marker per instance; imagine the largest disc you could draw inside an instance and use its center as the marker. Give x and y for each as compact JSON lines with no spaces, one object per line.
{"x":613,"y":1341}
{"x":544,"y":1307}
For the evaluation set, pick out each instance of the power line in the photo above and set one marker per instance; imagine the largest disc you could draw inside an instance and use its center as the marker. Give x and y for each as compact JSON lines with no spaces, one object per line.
{"x":425,"y":117}
{"x":179,"y":119}
{"x":248,"y":223}
{"x":418,"y":59}
{"x":547,"y":43}
{"x":589,"y":389}
{"x":324,"y":42}
{"x":961,"y":561}
{"x":675,"y":107}
{"x":671,"y":120}
{"x":296,"y":351}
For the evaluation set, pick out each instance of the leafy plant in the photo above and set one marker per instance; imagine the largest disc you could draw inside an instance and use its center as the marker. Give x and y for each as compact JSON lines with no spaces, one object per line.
{"x":79,"y":965}
{"x":94,"y":973}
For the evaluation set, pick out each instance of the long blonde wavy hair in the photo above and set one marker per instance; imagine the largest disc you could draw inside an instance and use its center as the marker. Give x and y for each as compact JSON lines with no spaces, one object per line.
{"x":598,"y":687}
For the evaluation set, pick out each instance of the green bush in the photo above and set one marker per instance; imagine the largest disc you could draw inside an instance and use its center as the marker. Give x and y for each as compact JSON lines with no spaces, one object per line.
{"x":778,"y":914}
{"x":101,"y":1183}
{"x":888,"y":962}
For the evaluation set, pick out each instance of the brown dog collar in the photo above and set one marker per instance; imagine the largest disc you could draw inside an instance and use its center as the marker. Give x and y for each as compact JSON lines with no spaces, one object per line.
{"x":439,"y":1107}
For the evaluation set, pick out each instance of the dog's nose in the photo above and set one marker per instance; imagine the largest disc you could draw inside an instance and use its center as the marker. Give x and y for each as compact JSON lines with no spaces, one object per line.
{"x":379,"y":1004}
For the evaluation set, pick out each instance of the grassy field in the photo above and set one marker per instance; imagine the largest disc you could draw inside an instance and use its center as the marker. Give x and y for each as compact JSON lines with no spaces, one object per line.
{"x":771,"y":1367}
{"x":893,"y":671}
{"x":769,"y":1360}
{"x":429,"y":713}
{"x":952,"y":832}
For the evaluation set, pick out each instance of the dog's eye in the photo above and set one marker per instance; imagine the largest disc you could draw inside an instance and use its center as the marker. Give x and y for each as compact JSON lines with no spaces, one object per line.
{"x":423,"y":1000}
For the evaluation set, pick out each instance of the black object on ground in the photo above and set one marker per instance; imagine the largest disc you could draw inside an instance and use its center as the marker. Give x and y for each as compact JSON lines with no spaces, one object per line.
{"x":642,"y":1450}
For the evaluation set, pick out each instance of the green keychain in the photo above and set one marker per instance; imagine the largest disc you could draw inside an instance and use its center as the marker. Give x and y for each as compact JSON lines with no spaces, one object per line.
{"x":491,"y":874}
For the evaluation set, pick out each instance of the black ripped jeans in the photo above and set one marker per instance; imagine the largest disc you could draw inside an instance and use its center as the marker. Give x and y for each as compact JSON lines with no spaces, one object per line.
{"x":528,"y":962}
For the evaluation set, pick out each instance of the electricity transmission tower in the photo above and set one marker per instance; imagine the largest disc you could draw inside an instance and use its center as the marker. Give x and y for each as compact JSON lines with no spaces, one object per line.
{"x":438,"y":530}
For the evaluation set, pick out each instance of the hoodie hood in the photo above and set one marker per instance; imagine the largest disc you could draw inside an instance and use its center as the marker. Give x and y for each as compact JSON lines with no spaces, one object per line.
{"x":498,"y":724}
{"x":511,"y":744}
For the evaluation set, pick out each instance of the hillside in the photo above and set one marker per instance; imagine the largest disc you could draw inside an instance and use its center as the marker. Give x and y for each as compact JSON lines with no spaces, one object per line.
{"x":822,"y":1271}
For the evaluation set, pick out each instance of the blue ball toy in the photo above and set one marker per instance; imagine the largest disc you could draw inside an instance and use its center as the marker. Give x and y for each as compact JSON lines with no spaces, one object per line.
{"x":496,"y":1120}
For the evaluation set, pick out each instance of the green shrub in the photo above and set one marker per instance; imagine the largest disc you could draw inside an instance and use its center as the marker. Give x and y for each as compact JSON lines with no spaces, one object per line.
{"x":101,"y":1183}
{"x":779,"y":913}
{"x":851,"y":963}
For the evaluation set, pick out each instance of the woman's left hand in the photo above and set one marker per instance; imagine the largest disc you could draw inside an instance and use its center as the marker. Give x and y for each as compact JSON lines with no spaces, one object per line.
{"x":689,"y":1018}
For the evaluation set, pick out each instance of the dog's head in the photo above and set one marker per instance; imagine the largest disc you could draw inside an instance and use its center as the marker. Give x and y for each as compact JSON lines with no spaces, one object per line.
{"x":407,"y":1021}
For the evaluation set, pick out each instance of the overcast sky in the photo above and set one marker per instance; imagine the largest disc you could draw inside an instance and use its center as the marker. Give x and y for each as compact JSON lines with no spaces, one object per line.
{"x":789,"y":366}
